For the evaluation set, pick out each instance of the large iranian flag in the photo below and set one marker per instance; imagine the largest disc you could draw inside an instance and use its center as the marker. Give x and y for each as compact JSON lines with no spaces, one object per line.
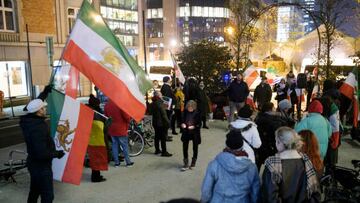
{"x":96,"y":52}
{"x":71,"y":124}
{"x":350,"y":84}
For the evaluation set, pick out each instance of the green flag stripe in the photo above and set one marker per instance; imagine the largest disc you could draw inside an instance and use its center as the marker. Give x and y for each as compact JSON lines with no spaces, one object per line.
{"x":87,"y":16}
{"x":55,"y":102}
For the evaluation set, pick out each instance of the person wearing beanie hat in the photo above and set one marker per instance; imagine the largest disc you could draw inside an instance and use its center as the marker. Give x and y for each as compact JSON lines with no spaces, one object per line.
{"x":316,"y":107}
{"x":40,"y":148}
{"x":285,"y":112}
{"x":248,"y":130}
{"x":230,"y":165}
{"x":319,"y":125}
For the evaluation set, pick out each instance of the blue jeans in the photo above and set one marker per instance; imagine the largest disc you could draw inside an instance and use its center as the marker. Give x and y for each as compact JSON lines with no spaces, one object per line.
{"x":123,"y":141}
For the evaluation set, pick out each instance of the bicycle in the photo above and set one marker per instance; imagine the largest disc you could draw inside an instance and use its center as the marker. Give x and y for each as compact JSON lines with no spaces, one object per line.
{"x":12,"y":166}
{"x":140,"y":135}
{"x":342,"y":184}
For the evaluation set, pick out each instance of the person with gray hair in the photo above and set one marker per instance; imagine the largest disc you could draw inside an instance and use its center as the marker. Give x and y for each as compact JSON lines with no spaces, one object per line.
{"x":190,"y":125}
{"x":289,"y":176}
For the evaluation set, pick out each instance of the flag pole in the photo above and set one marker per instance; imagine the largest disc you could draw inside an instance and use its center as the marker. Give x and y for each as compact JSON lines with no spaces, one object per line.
{"x":145,"y":64}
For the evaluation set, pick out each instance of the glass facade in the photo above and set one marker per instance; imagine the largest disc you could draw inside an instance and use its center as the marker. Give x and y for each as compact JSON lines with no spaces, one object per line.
{"x":200,"y":19}
{"x":123,"y":19}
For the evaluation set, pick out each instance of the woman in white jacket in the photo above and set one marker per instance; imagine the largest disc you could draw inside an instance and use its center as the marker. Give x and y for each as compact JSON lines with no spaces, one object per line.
{"x":249,"y":131}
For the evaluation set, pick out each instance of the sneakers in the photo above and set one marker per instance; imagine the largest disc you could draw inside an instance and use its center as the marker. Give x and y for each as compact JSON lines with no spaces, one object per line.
{"x":169,"y":139}
{"x":117,"y":165}
{"x":206,"y":127}
{"x":157,"y":152}
{"x":166,"y":154}
{"x":174,"y":133}
{"x":130,"y":164}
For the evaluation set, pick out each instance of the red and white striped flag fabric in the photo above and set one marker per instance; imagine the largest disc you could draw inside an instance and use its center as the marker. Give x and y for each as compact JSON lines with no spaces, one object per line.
{"x":66,"y":80}
{"x":250,"y":75}
{"x":178,"y":72}
{"x":97,"y":53}
{"x":350,"y":84}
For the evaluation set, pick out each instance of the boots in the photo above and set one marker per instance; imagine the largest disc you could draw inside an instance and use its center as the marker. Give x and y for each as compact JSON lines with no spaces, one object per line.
{"x":193,"y":162}
{"x":186,"y":165}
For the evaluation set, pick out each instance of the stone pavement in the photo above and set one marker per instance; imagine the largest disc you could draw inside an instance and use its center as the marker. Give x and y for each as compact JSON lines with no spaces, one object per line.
{"x":152,"y":179}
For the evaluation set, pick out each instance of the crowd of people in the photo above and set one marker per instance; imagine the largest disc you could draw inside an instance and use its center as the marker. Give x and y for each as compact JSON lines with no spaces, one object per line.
{"x":295,"y":153}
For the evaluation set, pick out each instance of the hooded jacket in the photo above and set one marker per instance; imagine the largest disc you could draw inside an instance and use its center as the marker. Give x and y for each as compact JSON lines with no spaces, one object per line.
{"x":251,"y":136}
{"x":120,"y":120}
{"x":230,"y":179}
{"x":320,"y":127}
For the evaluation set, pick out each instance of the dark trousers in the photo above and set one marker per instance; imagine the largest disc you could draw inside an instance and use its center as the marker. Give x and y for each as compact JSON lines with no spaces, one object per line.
{"x":41,"y":184}
{"x":176,"y":119}
{"x":169,"y":115}
{"x":186,"y":147}
{"x":203,"y":119}
{"x":160,"y":136}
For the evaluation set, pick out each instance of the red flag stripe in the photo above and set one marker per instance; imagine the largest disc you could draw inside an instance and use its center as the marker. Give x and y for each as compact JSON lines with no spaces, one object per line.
{"x":118,"y":92}
{"x":73,"y":170}
{"x":72,"y":83}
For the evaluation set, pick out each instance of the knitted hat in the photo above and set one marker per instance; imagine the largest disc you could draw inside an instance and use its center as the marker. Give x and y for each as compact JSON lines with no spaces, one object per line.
{"x":284,"y":104}
{"x":35,"y":105}
{"x":166,"y":79}
{"x":234,"y":140}
{"x":245,"y":111}
{"x":315,"y":107}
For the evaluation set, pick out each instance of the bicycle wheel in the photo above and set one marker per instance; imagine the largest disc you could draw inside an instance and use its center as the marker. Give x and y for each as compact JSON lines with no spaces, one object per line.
{"x":136,"y":143}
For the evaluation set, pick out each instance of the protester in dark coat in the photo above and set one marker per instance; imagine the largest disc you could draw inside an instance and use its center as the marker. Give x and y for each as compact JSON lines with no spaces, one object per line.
{"x":262,"y":93}
{"x":281,"y":89}
{"x":285,"y":113}
{"x":41,"y":150}
{"x":191,"y":131}
{"x":203,"y":105}
{"x":267,"y":122}
{"x":191,"y":90}
{"x":167,"y":91}
{"x":238,"y":92}
{"x":309,"y":89}
{"x":289,"y":176}
{"x":160,"y":123}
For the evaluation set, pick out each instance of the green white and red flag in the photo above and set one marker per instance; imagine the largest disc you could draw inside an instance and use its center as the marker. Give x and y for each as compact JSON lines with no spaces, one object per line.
{"x":97,"y":53}
{"x":350,"y":84}
{"x":178,"y":72}
{"x":350,"y":89}
{"x":71,"y":124}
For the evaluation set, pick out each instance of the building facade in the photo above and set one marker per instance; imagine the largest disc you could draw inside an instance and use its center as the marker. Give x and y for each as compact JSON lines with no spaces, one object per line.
{"x":171,"y":24}
{"x":24,"y":69}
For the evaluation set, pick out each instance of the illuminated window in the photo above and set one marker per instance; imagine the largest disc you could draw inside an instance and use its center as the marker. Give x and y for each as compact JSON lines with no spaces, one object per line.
{"x":155,"y":13}
{"x":7,"y":16}
{"x":72,"y":13}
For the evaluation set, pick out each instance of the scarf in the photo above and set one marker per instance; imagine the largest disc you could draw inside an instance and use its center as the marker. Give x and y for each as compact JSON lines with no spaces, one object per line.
{"x":273,"y":163}
{"x":235,"y":152}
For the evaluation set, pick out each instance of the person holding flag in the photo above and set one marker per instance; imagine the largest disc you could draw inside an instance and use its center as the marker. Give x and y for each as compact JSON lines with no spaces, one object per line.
{"x":40,"y":148}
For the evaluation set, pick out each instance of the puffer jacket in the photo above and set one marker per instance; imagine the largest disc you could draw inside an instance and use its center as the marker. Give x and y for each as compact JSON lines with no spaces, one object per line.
{"x":230,"y":179}
{"x":320,"y":127}
{"x":251,"y":135}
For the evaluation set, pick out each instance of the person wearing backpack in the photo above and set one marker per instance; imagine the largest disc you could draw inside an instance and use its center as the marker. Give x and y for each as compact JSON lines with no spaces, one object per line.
{"x":248,"y":130}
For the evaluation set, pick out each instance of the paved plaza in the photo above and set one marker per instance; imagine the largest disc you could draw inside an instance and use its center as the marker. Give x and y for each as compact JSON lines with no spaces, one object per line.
{"x":152,"y":179}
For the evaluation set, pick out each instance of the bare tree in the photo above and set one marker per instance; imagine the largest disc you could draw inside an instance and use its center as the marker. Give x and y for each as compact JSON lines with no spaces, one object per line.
{"x":243,"y":13}
{"x":332,"y":14}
